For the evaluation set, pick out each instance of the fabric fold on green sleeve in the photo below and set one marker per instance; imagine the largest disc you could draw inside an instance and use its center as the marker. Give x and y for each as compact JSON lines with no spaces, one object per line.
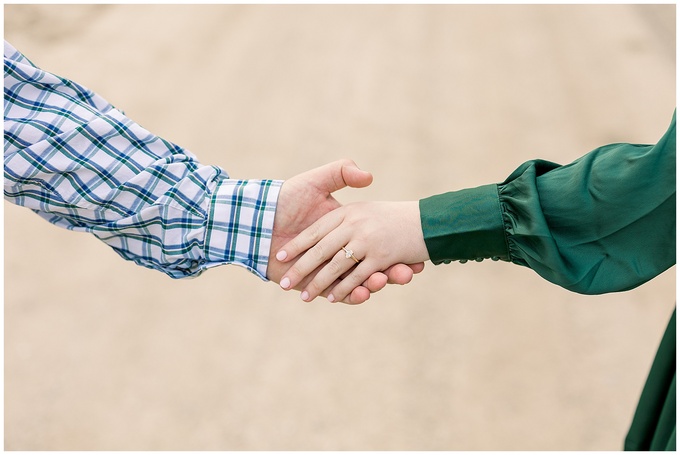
{"x":603,"y":223}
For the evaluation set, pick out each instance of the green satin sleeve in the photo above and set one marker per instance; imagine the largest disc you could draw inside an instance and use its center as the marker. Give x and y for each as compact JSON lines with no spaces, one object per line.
{"x":604,"y":223}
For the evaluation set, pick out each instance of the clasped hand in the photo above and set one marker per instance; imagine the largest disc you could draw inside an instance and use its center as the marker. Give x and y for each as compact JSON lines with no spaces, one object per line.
{"x":311,"y":241}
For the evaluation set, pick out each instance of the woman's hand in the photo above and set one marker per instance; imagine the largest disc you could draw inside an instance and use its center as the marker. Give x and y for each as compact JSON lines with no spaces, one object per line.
{"x":304,"y":199}
{"x":379,"y":235}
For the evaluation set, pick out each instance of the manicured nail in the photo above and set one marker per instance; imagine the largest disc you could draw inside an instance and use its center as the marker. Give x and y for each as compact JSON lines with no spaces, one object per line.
{"x":304,"y":296}
{"x":331,"y":298}
{"x":281,"y":255}
{"x":285,"y":283}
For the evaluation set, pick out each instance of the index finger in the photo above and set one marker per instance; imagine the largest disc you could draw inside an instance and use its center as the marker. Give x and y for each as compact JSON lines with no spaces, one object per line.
{"x":310,"y":236}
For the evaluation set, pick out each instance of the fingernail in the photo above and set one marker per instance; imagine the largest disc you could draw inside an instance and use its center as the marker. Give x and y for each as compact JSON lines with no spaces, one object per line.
{"x":281,"y":255}
{"x":304,"y":296}
{"x":331,"y":298}
{"x":285,"y":283}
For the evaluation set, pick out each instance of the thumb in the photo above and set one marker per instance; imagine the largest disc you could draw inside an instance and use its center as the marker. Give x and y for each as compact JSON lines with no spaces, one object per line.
{"x":339,"y":174}
{"x":355,"y":177}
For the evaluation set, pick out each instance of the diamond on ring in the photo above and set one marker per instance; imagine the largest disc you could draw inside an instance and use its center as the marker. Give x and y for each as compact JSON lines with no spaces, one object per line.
{"x":350,"y":254}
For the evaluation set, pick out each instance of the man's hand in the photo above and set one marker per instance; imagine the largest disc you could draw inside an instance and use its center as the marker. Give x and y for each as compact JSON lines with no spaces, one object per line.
{"x":304,"y":199}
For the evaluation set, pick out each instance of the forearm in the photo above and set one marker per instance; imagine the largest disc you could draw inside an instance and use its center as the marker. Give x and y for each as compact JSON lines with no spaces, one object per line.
{"x":604,"y":223}
{"x":81,"y":164}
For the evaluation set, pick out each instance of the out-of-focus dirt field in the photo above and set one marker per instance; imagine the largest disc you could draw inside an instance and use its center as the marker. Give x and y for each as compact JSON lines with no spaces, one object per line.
{"x":103,"y":354}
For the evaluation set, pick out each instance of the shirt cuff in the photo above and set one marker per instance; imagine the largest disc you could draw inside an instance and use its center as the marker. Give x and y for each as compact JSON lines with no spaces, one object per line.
{"x":240,"y":224}
{"x":464,"y":225}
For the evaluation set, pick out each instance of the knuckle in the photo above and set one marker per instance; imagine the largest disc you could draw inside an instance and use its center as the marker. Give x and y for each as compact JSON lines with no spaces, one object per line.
{"x":334,"y":268}
{"x":296,"y":272}
{"x":292,"y":248}
{"x":349,"y":162}
{"x":318,"y":252}
{"x":314,"y":233}
{"x":345,"y":288}
{"x":315,"y":288}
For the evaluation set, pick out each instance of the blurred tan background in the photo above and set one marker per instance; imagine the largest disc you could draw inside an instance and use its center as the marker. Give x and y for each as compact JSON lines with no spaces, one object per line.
{"x":103,"y":354}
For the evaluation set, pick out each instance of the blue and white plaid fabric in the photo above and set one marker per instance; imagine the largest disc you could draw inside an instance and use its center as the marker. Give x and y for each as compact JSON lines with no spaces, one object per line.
{"x":81,"y":164}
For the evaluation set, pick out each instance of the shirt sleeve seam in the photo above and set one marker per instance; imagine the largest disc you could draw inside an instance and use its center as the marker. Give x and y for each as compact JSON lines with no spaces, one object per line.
{"x":504,"y":224}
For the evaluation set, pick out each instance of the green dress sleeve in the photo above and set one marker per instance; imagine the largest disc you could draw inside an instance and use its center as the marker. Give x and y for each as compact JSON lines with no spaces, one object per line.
{"x":604,"y":223}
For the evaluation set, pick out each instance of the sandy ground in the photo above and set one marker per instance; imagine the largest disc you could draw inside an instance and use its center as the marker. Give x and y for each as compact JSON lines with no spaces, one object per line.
{"x":102,"y":354}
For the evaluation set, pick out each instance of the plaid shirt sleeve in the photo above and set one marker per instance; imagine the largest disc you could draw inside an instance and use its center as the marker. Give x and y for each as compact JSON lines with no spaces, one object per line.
{"x":81,"y":164}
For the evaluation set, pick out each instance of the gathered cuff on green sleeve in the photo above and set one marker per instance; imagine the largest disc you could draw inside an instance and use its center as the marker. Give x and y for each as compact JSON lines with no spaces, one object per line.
{"x":464,"y":225}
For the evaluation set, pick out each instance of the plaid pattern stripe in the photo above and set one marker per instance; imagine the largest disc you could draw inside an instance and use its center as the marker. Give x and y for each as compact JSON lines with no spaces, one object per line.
{"x":81,"y":164}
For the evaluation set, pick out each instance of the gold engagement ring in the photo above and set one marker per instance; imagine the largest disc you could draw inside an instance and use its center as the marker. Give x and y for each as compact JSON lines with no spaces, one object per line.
{"x":350,"y":254}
